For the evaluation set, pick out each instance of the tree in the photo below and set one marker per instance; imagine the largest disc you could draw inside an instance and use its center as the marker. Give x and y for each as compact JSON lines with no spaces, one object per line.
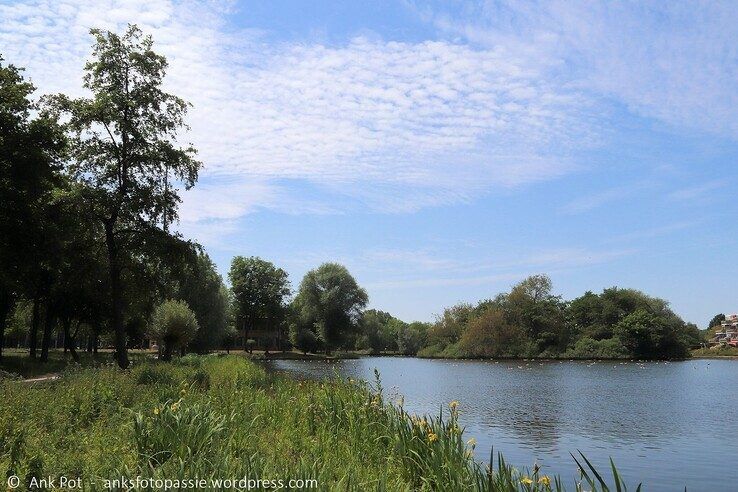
{"x":173,"y":325}
{"x":260,"y":292}
{"x":531,"y":306}
{"x":329,"y":304}
{"x":449,"y":326}
{"x":716,"y":320}
{"x":411,"y":337}
{"x":378,"y":331}
{"x":30,"y":150}
{"x":490,"y":335}
{"x":124,"y":150}
{"x":201,"y":286}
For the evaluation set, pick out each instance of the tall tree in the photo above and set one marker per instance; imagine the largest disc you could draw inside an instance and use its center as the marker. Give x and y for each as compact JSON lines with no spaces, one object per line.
{"x":260,"y":292}
{"x":30,"y":150}
{"x":329,"y":303}
{"x":124,"y":150}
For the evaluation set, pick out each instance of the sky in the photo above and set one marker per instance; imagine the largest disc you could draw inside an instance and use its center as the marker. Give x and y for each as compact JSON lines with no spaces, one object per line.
{"x":443,"y":151}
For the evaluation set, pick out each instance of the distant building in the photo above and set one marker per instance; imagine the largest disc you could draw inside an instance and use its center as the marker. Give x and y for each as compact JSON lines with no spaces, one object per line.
{"x":729,"y":331}
{"x":730,"y":322}
{"x":263,"y":338}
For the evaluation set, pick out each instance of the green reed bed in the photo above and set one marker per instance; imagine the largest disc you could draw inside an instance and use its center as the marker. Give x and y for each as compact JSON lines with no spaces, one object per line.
{"x":219,"y":418}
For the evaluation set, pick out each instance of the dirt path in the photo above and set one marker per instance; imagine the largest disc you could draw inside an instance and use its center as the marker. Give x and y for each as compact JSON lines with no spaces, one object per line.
{"x":45,"y":377}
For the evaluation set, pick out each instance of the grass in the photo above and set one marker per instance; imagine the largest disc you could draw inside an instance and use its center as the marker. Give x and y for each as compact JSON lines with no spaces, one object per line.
{"x":716,"y":352}
{"x":224,"y":417}
{"x":17,"y":362}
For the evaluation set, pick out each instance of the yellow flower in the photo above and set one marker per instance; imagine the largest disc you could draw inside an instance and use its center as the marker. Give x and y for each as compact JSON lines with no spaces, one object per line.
{"x":545,"y":480}
{"x":174,"y":406}
{"x":526,"y":481}
{"x":471,"y":442}
{"x":156,"y":410}
{"x":432,"y":437}
{"x":453,"y":405}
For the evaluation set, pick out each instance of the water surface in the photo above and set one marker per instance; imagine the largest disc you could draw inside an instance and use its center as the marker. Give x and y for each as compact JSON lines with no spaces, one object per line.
{"x":667,"y":424}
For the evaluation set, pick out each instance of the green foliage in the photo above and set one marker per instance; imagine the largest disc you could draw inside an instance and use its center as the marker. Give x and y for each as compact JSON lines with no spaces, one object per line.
{"x":588,"y":348}
{"x":530,"y":321}
{"x":491,"y":335}
{"x":260,"y":292}
{"x":176,"y":429}
{"x":716,"y":320}
{"x":411,"y":337}
{"x":246,"y":424}
{"x":173,"y":325}
{"x":150,"y":374}
{"x":124,"y":151}
{"x":329,"y":303}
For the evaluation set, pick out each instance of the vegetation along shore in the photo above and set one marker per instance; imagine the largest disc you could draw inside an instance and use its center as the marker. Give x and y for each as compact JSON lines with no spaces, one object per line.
{"x":213,"y":417}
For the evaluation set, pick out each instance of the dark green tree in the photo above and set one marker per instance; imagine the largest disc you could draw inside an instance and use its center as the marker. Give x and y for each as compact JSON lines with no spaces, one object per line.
{"x":329,"y":304}
{"x":716,"y":320}
{"x":260,"y":292}
{"x":30,"y":152}
{"x":124,"y":151}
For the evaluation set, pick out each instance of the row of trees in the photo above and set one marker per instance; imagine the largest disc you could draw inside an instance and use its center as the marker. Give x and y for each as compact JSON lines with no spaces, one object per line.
{"x":88,"y":188}
{"x":530,"y":321}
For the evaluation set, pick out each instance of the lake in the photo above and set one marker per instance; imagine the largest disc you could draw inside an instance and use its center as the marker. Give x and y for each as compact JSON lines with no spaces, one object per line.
{"x":667,"y":424}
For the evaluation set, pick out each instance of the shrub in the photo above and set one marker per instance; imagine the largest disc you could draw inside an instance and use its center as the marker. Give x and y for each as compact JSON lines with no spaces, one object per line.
{"x":587,"y":348}
{"x":173,"y":325}
{"x":152,"y":374}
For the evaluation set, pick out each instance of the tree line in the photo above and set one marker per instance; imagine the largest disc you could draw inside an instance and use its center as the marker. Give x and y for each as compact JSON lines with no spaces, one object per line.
{"x":89,"y":189}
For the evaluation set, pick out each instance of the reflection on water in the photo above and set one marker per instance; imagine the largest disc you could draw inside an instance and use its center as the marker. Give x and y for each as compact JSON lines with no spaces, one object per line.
{"x":667,"y":424}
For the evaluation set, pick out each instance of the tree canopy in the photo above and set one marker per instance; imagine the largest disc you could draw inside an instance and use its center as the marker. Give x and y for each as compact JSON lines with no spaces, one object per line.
{"x":124,"y":150}
{"x":328,"y":304}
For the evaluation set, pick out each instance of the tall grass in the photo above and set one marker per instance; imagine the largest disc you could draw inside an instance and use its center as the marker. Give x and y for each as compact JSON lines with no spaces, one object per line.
{"x":226,"y":418}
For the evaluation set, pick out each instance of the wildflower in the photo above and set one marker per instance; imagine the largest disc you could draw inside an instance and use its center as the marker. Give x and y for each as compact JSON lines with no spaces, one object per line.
{"x":526,"y":481}
{"x":432,"y":437}
{"x":156,"y":410}
{"x":453,"y":405}
{"x":471,"y":442}
{"x":545,"y":480}
{"x":174,"y":406}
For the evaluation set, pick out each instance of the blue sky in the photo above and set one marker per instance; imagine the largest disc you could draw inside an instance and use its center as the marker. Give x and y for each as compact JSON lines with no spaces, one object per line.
{"x":445,"y":150}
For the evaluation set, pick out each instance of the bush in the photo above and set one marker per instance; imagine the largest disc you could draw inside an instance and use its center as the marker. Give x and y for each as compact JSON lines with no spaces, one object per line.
{"x":173,"y":325}
{"x":587,"y":348}
{"x":152,"y":374}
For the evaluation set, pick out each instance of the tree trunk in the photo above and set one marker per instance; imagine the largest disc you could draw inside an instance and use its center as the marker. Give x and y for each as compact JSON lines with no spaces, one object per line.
{"x":33,"y":337}
{"x":48,"y":324}
{"x":70,"y":341}
{"x":121,"y":351}
{"x":6,"y":304}
{"x":166,"y":354}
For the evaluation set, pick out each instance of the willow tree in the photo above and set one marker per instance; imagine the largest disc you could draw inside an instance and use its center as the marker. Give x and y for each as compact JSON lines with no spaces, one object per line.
{"x":125,"y":151}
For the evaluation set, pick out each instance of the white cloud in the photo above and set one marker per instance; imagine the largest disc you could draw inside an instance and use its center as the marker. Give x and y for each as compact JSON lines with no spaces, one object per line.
{"x":673,"y":61}
{"x":415,"y":268}
{"x":396,"y":126}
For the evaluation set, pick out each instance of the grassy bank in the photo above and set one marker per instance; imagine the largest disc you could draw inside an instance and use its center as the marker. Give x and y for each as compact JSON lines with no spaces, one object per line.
{"x":225,"y":417}
{"x":715,"y":352}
